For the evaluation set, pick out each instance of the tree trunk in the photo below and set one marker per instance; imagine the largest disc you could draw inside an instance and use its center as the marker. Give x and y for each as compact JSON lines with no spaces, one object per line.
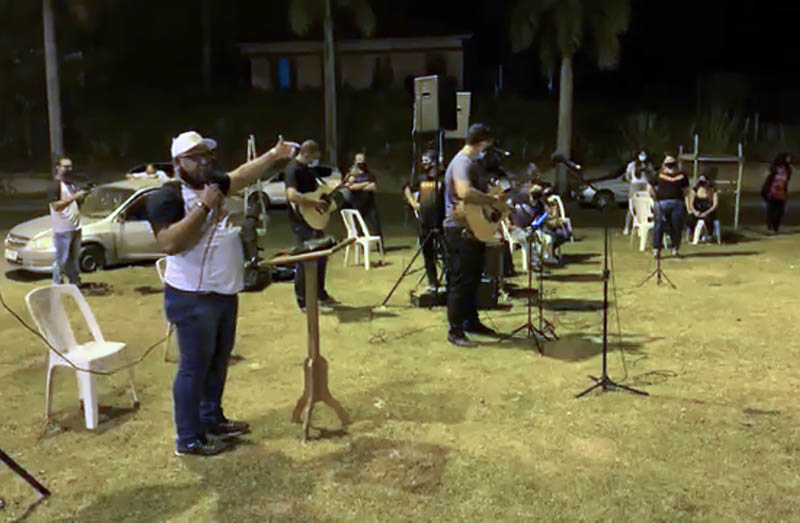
{"x":53,"y":89}
{"x":206,"y":14}
{"x":564,"y":145}
{"x":329,"y":65}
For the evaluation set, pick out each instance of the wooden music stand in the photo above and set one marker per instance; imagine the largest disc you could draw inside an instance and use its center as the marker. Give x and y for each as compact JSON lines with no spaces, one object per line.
{"x":315,"y":368}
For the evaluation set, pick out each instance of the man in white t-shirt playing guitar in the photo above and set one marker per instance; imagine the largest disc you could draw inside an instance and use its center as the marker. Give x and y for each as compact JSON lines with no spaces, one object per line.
{"x":66,"y":223}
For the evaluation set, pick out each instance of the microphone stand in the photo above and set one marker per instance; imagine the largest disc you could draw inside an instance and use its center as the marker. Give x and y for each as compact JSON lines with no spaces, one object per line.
{"x":21,"y":472}
{"x":603,"y":382}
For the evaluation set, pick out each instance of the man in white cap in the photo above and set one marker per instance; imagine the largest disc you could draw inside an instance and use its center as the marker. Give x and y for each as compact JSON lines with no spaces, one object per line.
{"x":204,"y":274}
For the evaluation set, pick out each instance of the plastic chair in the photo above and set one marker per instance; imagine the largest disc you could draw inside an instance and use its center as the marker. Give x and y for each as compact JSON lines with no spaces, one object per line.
{"x":513,"y":243}
{"x":357,"y":228}
{"x":698,"y":231}
{"x":557,"y":198}
{"x":641,"y":206}
{"x":46,"y":306}
{"x":161,"y":268}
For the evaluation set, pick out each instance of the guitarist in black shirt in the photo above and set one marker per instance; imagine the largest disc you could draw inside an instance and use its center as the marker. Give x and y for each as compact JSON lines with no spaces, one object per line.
{"x":301,"y":179}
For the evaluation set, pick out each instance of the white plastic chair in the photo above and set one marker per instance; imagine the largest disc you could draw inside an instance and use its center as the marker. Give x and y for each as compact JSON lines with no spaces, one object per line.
{"x":513,"y":243}
{"x":47,"y":309}
{"x":557,"y":198}
{"x":641,"y":206}
{"x":161,"y":268}
{"x":698,"y":231}
{"x":357,"y":228}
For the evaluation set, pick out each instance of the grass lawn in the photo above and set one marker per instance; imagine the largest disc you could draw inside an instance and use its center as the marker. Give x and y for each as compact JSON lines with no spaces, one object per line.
{"x":440,"y":433}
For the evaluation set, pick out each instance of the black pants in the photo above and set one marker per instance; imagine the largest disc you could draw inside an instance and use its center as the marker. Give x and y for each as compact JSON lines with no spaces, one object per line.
{"x":364,"y":202}
{"x":465,"y":258}
{"x":775,"y":211}
{"x":304,"y":233}
{"x":429,"y":241}
{"x":669,"y":214}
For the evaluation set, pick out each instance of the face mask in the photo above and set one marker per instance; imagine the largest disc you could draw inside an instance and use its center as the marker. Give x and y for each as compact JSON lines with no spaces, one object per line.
{"x":362,"y":165}
{"x":313,"y":163}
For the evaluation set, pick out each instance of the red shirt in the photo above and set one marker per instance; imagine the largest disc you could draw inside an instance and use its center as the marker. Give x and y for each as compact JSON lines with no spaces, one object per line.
{"x":779,"y":188}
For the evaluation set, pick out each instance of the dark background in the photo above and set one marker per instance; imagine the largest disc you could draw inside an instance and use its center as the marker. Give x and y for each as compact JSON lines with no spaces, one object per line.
{"x":119,"y":54}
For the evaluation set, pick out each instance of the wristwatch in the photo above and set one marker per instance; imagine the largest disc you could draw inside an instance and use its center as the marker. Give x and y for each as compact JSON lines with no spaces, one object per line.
{"x":202,"y":205}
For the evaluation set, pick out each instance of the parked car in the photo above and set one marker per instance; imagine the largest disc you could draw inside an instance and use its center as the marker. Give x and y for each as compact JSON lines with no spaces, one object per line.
{"x":273,"y":188}
{"x":114,"y":227}
{"x":604,"y":190}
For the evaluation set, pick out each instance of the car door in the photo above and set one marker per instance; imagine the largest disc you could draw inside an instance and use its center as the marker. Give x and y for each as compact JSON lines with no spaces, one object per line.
{"x":135,"y":238}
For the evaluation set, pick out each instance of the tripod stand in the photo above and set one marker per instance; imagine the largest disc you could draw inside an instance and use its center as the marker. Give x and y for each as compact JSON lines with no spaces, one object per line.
{"x":434,"y":235}
{"x":546,"y":330}
{"x":21,"y":472}
{"x":604,"y":382}
{"x":658,"y":273}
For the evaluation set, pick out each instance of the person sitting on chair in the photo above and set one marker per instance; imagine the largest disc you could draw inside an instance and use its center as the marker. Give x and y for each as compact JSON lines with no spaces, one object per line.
{"x":636,"y":175}
{"x":670,"y":205}
{"x":361,"y":184}
{"x":703,"y":202}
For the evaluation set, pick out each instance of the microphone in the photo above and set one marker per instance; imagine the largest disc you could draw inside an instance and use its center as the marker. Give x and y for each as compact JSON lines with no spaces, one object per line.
{"x":560,"y":158}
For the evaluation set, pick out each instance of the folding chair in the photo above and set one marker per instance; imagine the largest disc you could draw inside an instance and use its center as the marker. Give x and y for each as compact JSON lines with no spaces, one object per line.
{"x":513,"y":243}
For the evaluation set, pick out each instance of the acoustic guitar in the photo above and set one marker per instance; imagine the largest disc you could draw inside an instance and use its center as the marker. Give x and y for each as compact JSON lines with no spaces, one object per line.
{"x":483,"y":221}
{"x":315,"y":218}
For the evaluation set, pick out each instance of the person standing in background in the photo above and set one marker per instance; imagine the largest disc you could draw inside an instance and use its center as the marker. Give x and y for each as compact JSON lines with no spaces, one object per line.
{"x":775,"y":191}
{"x":65,"y":217}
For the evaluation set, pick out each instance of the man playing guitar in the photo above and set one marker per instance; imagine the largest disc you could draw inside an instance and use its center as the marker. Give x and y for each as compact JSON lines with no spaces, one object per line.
{"x":465,"y":254}
{"x":429,"y":220}
{"x":301,"y":180}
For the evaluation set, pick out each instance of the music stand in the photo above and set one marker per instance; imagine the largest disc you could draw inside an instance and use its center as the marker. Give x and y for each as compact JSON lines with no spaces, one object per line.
{"x":315,"y":367}
{"x":546,"y":330}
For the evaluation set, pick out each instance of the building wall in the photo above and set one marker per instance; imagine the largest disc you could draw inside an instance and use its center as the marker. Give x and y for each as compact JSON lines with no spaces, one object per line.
{"x":357,"y":70}
{"x":261,"y":73}
{"x":309,"y":71}
{"x":407,"y":64}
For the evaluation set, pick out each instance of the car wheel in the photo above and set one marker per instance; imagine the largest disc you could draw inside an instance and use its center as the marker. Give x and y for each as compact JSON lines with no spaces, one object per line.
{"x":92,"y":257}
{"x":254,"y":200}
{"x":603,"y":199}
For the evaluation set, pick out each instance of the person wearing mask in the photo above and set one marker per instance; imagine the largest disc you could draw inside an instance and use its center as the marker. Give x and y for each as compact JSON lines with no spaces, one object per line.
{"x":204,"y":274}
{"x":302,"y":179}
{"x":65,"y":219}
{"x":775,"y":191}
{"x":362,"y":186}
{"x":636,"y":175}
{"x":702,"y":205}
{"x":429,"y":221}
{"x":670,"y":205}
{"x":465,"y":184}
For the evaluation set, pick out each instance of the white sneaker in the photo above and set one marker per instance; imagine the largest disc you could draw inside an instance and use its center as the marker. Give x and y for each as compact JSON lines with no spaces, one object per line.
{"x":675,"y":252}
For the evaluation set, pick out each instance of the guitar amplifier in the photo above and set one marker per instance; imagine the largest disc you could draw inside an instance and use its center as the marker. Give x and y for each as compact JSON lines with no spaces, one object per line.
{"x":489,"y":287}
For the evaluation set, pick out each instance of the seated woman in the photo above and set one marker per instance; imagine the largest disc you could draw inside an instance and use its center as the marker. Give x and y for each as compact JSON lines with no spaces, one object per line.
{"x":703,"y":203}
{"x":556,"y":225}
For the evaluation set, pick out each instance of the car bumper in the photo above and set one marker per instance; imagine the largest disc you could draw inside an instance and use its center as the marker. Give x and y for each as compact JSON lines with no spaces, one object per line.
{"x":29,"y":260}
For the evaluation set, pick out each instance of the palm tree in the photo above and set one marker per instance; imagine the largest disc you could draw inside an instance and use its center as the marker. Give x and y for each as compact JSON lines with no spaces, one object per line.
{"x":557,"y":28}
{"x":303,"y":14}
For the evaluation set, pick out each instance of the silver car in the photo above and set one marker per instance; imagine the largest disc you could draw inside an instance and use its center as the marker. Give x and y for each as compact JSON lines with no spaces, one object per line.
{"x":273,"y":188}
{"x":114,"y":227}
{"x":604,"y":190}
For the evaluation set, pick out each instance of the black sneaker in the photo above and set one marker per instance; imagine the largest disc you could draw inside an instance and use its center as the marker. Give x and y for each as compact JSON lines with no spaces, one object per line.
{"x":200,"y":447}
{"x":460,"y":340}
{"x":480,"y":328}
{"x":229,"y":429}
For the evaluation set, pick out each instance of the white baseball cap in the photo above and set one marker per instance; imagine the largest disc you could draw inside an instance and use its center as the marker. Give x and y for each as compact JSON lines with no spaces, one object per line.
{"x":187,"y":141}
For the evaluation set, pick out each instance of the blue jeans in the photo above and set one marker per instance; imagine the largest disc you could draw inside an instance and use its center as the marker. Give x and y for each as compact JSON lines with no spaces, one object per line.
{"x":669,"y":213}
{"x":68,"y":248}
{"x":206,"y":328}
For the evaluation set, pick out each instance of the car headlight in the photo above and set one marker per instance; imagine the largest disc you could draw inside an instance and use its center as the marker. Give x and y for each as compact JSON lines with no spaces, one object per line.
{"x":41,"y":243}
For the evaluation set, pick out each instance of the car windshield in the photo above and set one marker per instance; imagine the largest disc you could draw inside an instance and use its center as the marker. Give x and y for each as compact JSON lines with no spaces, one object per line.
{"x":103,"y":200}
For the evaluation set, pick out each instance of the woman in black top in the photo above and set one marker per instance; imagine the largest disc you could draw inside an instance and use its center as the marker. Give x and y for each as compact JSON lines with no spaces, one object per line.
{"x":670,"y":205}
{"x":775,"y":190}
{"x":703,"y":203}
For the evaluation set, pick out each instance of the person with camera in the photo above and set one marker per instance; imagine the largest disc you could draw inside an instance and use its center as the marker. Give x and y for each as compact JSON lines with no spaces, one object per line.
{"x":204,"y":274}
{"x":465,"y":183}
{"x":65,"y":219}
{"x":429,"y":221}
{"x":670,"y":205}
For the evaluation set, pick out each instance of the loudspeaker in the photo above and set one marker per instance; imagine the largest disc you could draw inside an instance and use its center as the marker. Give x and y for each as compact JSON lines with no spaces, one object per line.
{"x":463,"y":106}
{"x":435,"y":105}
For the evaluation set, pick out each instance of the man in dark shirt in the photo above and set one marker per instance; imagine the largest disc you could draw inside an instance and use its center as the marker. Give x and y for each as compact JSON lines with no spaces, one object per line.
{"x":670,"y":205}
{"x":363,"y":187}
{"x":429,"y":221}
{"x":301,"y":179}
